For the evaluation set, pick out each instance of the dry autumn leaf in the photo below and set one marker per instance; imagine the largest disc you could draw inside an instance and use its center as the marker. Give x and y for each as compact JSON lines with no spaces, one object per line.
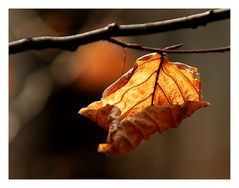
{"x":153,"y":96}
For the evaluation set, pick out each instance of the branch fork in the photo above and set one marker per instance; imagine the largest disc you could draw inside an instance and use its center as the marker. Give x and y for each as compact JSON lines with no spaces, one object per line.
{"x":72,"y":42}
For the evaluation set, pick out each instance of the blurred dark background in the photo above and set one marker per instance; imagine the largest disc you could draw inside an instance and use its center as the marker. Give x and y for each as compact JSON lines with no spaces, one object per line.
{"x":47,"y":137}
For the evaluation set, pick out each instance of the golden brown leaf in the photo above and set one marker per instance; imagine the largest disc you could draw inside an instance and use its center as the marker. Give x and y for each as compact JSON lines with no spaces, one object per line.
{"x":154,"y":95}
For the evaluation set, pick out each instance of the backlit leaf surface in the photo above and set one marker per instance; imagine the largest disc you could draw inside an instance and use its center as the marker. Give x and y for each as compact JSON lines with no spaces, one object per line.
{"x":153,"y":96}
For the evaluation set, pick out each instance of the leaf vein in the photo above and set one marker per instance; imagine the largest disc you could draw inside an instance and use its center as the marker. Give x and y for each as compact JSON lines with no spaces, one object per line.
{"x":174,"y":82}
{"x":190,"y":82}
{"x":163,"y":92}
{"x":156,"y":79}
{"x":130,"y":109}
{"x":134,"y":87}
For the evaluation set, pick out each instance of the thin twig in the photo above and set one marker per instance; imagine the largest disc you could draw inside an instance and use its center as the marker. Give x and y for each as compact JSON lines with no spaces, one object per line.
{"x":209,"y":50}
{"x":173,"y":47}
{"x":169,"y":49}
{"x":72,"y":42}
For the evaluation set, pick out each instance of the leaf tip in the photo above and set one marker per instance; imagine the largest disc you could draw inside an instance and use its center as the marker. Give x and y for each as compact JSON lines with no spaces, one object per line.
{"x":81,"y":111}
{"x":102,"y":147}
{"x":206,"y":104}
{"x":107,"y":149}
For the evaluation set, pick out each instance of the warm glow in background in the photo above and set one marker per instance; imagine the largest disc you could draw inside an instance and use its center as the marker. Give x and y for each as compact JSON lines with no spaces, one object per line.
{"x":47,"y":137}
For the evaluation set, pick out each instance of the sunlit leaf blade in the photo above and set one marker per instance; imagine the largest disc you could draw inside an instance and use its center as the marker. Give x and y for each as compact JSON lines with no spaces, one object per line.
{"x":153,"y":96}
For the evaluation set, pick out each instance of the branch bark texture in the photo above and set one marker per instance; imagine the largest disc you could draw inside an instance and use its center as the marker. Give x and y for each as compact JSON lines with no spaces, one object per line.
{"x":72,"y":42}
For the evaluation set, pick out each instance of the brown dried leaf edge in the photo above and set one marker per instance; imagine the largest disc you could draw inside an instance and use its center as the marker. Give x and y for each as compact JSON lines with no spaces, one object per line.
{"x":153,"y":96}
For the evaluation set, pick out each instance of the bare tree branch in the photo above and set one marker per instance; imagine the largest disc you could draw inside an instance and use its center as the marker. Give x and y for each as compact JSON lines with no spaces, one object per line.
{"x":169,"y":49}
{"x":72,"y":42}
